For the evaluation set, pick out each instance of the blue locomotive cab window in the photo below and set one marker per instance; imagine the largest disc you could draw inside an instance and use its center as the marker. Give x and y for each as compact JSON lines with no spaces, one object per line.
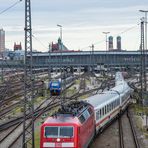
{"x":54,"y":84}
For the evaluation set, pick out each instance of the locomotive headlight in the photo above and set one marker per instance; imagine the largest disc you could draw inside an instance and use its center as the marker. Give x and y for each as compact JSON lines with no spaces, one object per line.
{"x":58,"y":139}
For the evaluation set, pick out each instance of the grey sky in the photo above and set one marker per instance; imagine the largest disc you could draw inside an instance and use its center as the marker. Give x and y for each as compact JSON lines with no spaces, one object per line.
{"x":83,"y":22}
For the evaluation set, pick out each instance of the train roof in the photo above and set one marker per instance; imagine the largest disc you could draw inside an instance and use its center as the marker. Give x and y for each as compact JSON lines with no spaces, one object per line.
{"x":68,"y":113}
{"x":102,"y":98}
{"x":120,"y":88}
{"x":59,"y":119}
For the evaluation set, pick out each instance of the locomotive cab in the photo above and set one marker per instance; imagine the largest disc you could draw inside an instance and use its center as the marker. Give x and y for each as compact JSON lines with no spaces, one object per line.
{"x":58,"y":134}
{"x":72,"y":127}
{"x":55,"y":87}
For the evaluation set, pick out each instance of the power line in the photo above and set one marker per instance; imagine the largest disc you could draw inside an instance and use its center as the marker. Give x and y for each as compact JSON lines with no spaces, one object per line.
{"x":39,"y":41}
{"x":13,"y":5}
{"x":129,"y":29}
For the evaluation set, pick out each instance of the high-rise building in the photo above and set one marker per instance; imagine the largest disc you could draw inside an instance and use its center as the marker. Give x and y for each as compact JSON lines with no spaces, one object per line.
{"x":2,"y":40}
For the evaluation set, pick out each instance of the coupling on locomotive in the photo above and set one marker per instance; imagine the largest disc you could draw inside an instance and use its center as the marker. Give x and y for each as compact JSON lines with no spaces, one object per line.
{"x":75,"y":124}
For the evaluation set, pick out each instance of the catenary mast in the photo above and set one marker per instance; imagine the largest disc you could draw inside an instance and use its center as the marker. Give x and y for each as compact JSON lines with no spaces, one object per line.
{"x":28,"y":126}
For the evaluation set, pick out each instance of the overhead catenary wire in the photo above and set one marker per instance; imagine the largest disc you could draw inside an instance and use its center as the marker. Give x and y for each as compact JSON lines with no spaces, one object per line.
{"x":13,"y":5}
{"x":95,"y":43}
{"x":118,"y":34}
{"x":39,"y":41}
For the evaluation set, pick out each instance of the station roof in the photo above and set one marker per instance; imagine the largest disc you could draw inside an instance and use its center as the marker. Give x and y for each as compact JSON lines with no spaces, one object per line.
{"x":87,"y":53}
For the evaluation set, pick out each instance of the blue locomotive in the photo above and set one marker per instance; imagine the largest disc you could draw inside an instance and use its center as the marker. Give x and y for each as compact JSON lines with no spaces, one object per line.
{"x":55,"y":87}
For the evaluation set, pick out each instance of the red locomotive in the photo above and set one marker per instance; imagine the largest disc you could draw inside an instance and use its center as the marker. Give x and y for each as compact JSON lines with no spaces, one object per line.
{"x":73,"y":126}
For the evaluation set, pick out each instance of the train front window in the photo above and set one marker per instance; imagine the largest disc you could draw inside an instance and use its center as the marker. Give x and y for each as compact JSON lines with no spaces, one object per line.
{"x":66,"y":131}
{"x":51,"y":131}
{"x":59,"y":131}
{"x":55,"y":84}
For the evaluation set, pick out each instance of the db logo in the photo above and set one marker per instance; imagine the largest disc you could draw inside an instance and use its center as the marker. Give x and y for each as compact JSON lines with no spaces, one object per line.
{"x":58,"y":144}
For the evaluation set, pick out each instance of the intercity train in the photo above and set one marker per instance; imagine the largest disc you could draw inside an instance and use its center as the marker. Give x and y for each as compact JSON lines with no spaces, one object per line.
{"x":76,"y":124}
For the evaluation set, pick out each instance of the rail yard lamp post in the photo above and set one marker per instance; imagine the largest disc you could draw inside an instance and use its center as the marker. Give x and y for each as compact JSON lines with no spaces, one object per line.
{"x":145,"y":11}
{"x":61,"y":44}
{"x":145,"y":20}
{"x":145,"y":45}
{"x":106,"y":33}
{"x":49,"y":62}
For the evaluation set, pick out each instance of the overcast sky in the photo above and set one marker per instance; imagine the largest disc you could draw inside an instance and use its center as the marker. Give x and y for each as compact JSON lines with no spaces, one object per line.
{"x":83,"y":22}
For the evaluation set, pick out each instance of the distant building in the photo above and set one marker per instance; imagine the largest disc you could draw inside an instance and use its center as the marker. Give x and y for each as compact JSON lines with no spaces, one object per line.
{"x":2,"y":40}
{"x":57,"y":47}
{"x":119,"y":43}
{"x":110,"y":43}
{"x":17,"y":47}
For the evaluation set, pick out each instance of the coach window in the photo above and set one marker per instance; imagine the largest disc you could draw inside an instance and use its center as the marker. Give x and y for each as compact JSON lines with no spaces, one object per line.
{"x":97,"y":115}
{"x":107,"y":108}
{"x":111,"y":106}
{"x":115,"y":104}
{"x":103,"y":111}
{"x":118,"y":101}
{"x":100,"y":113}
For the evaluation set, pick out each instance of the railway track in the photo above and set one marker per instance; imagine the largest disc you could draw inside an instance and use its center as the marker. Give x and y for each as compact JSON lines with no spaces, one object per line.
{"x":18,"y":123}
{"x":16,"y":92}
{"x":127,"y":134}
{"x":118,"y":134}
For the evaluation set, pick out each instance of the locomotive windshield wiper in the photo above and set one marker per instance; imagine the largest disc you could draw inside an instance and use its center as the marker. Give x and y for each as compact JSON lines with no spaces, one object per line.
{"x":46,"y":135}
